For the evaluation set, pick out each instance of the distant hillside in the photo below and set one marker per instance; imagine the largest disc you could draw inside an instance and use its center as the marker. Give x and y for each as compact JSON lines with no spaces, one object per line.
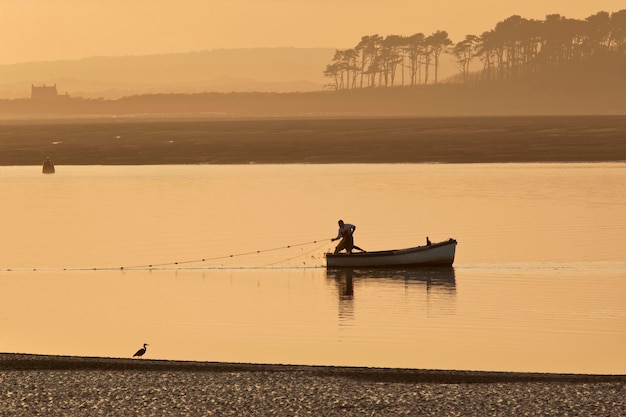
{"x":220,"y":70}
{"x":502,"y":98}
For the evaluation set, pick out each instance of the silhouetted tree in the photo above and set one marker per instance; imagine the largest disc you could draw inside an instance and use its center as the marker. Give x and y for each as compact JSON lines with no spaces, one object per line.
{"x":514,"y":48}
{"x":487,"y":51}
{"x":439,"y":42}
{"x":343,"y":70}
{"x":332,"y":71}
{"x":560,"y":39}
{"x":597,"y":33}
{"x":369,"y":51}
{"x":414,"y":48}
{"x":350,"y":58}
{"x":463,"y":53}
{"x":391,"y":56}
{"x":618,"y":30}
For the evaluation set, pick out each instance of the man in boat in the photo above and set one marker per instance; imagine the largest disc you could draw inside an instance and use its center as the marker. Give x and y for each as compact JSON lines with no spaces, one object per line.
{"x":346,"y":231}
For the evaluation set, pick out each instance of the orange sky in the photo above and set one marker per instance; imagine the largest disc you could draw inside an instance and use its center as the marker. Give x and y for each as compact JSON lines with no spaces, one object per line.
{"x":36,"y":30}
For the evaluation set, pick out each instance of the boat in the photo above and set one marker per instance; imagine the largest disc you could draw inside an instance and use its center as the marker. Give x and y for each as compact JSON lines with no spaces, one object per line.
{"x":432,"y":254}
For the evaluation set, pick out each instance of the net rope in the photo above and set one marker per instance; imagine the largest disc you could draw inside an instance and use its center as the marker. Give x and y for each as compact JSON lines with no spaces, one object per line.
{"x":178,"y":264}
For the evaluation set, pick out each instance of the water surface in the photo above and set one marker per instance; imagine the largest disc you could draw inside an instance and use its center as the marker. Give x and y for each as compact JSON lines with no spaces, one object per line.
{"x":539,"y":281}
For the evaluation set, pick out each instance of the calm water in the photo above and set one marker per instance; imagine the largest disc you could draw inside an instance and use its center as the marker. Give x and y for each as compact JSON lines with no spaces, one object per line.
{"x":539,"y":282}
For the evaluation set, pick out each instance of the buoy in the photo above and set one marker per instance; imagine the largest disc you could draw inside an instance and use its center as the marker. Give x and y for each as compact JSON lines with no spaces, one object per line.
{"x":48,"y":166}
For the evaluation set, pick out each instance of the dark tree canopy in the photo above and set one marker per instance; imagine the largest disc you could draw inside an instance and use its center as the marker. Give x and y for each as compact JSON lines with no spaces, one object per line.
{"x":515,"y":48}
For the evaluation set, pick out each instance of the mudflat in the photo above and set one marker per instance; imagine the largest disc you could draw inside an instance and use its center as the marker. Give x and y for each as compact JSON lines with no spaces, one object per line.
{"x":131,"y":141}
{"x":61,"y":385}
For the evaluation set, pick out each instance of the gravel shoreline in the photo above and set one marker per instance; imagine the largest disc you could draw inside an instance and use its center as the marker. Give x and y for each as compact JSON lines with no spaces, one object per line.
{"x":61,"y":385}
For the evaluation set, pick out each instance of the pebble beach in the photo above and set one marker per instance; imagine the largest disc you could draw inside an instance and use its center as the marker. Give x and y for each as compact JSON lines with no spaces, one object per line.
{"x":37,"y":385}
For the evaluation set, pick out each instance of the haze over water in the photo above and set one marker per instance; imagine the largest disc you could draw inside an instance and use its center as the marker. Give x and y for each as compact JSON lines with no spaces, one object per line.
{"x":538,"y":282}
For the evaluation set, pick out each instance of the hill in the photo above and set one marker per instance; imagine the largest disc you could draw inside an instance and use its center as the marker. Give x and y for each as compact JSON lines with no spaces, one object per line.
{"x":220,"y":70}
{"x":593,"y":87}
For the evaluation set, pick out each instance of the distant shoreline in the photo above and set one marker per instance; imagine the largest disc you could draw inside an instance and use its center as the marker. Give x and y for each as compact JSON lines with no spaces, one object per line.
{"x":127,"y":141}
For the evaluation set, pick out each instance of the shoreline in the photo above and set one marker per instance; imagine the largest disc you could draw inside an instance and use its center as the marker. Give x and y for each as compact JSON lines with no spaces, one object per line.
{"x":62,"y":385}
{"x":24,"y":362}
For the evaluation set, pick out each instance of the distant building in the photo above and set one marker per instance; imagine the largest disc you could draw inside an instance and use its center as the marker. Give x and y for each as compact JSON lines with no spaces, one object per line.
{"x":45,"y":92}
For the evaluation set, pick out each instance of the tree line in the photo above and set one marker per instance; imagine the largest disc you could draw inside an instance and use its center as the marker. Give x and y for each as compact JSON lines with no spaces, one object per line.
{"x":516,"y":47}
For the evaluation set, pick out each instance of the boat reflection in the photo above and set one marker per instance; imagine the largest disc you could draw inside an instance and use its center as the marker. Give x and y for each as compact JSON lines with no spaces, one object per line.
{"x":439,"y":285}
{"x":431,"y":278}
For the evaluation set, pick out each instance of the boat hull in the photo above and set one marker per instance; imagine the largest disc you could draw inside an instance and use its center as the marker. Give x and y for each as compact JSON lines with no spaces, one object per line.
{"x":436,"y":254}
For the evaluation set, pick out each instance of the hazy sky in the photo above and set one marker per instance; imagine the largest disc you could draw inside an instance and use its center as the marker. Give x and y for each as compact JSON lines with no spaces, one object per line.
{"x":37,"y":30}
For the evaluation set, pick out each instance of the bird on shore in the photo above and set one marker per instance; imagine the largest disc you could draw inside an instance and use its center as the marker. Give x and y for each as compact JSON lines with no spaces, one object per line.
{"x":141,"y":351}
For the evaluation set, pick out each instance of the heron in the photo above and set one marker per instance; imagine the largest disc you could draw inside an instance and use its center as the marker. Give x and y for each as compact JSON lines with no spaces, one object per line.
{"x":141,"y":351}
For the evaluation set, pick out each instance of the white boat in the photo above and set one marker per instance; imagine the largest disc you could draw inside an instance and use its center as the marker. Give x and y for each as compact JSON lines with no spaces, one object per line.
{"x":435,"y":254}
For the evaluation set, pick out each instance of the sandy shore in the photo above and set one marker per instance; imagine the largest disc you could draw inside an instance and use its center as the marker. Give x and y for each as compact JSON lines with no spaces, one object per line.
{"x":272,"y":141}
{"x":33,"y":385}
